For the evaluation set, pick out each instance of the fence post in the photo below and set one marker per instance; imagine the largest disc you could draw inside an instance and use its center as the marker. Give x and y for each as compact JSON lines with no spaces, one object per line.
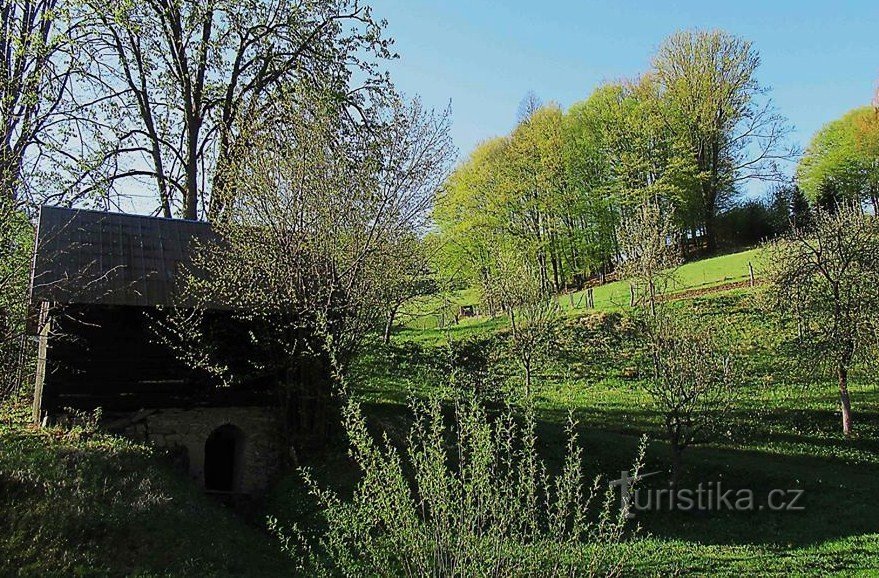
{"x":751,"y":273}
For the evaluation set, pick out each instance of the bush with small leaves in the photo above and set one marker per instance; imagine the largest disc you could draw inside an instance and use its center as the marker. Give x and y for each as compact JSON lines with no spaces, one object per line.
{"x":473,"y":499}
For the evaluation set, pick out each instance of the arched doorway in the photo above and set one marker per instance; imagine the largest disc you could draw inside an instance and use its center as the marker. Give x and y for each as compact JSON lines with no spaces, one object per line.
{"x":223,"y":453}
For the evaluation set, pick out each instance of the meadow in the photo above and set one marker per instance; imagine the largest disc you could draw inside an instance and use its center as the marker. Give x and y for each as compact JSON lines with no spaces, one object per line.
{"x":783,"y":433}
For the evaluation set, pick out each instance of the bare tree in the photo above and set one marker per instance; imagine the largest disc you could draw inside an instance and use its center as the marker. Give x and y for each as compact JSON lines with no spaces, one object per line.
{"x":692,"y":383}
{"x":649,"y":253}
{"x":515,"y":285}
{"x":827,"y":279}
{"x":529,"y":104}
{"x":690,"y":378}
{"x":190,"y":74}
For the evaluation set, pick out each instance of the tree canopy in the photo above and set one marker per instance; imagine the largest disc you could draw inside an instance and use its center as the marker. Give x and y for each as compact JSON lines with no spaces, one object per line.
{"x":842,"y":160}
{"x":684,"y":136}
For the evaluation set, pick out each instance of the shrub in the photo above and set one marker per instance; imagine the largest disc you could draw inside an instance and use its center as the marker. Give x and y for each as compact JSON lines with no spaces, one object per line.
{"x":473,"y":499}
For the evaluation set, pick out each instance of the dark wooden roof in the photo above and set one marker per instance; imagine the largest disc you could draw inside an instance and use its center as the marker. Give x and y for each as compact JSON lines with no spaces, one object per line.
{"x":92,"y":257}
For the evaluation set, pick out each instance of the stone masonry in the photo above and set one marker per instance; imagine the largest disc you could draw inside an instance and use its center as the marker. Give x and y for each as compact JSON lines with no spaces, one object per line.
{"x":186,"y":431}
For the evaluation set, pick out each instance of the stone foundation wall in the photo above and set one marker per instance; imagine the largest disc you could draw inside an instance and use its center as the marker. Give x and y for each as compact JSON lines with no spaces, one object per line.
{"x":187,"y":430}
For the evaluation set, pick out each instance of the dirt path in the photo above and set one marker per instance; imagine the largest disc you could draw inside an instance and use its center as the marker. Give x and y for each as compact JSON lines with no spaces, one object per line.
{"x":700,"y":291}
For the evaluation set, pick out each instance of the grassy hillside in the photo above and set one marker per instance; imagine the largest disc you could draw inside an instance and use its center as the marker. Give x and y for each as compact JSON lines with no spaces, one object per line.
{"x":783,"y":434}
{"x":79,"y":503}
{"x":697,"y":275}
{"x":704,"y":276}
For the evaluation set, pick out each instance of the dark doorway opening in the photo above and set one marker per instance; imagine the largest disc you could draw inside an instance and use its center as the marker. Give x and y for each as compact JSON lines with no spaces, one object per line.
{"x":222,"y":459}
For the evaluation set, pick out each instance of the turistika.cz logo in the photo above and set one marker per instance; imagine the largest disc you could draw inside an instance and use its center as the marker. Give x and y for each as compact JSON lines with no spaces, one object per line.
{"x":705,"y":497}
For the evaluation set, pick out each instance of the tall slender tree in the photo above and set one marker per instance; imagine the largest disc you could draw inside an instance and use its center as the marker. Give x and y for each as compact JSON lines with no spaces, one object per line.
{"x":708,"y":79}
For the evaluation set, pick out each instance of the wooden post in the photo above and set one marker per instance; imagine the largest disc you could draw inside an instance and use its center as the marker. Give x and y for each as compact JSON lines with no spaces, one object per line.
{"x":571,"y":297}
{"x":590,"y":301}
{"x":751,"y":273}
{"x":631,"y":295}
{"x":42,"y":350}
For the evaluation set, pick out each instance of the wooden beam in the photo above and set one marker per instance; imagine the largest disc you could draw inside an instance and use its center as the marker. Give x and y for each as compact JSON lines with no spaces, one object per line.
{"x":42,"y":351}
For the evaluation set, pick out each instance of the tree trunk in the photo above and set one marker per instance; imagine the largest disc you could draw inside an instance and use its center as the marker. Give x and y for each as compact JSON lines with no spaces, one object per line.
{"x":710,"y":233}
{"x":190,"y":201}
{"x":557,"y":272}
{"x":677,"y":464}
{"x":527,"y":365}
{"x":844,"y":400}
{"x":9,"y":174}
{"x":544,"y":274}
{"x":219,"y":188}
{"x":392,"y":314}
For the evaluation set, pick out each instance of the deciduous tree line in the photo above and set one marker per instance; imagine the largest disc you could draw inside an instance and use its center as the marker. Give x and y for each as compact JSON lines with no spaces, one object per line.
{"x":684,"y":135}
{"x":841,"y":164}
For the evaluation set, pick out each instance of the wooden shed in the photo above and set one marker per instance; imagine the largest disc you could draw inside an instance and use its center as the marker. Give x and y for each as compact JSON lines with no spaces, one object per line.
{"x":100,"y":282}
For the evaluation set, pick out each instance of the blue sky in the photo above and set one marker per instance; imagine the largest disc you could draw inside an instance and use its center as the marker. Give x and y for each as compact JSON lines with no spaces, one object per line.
{"x":820,"y":58}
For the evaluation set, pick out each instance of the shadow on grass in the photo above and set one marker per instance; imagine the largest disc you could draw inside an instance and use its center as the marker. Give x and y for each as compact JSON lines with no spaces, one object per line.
{"x":838,"y":492}
{"x":838,"y":497}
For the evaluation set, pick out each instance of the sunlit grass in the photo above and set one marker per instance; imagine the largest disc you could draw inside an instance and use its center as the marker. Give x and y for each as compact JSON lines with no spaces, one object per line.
{"x":785,"y":431}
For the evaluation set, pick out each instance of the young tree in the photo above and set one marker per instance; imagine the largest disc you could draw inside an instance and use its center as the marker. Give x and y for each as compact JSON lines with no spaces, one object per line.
{"x":708,"y":79}
{"x":827,"y":277}
{"x":649,"y":251}
{"x":690,"y":377}
{"x":533,"y":311}
{"x":692,"y":383}
{"x":186,"y":76}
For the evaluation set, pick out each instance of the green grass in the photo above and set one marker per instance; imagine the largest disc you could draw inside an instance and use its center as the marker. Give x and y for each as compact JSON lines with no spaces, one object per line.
{"x":79,"y":504}
{"x":72,"y":503}
{"x":430,"y":320}
{"x":785,"y":432}
{"x":702,"y":274}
